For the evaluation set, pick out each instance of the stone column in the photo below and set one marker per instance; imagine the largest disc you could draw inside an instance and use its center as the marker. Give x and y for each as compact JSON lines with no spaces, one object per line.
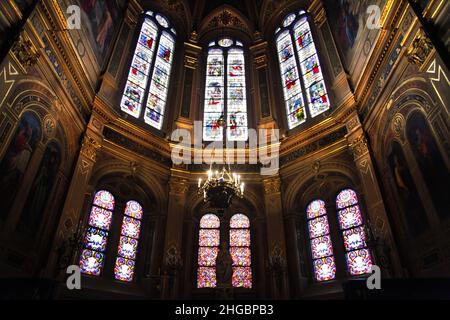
{"x":385,"y":251}
{"x":190,"y":78}
{"x":178,"y":187}
{"x":261,"y":92}
{"x":72,"y":210}
{"x":275,"y":237}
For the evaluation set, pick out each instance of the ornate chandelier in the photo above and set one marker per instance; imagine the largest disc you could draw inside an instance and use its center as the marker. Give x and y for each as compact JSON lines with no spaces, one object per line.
{"x":220,"y":187}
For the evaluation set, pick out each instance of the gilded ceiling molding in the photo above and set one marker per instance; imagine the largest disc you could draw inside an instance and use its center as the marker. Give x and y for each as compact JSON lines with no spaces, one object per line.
{"x":55,"y":17}
{"x":389,"y":32}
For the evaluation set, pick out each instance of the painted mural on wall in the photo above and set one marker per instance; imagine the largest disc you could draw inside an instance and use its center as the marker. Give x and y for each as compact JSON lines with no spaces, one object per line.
{"x":41,"y":189}
{"x":99,"y":18}
{"x":348,"y":21}
{"x":431,"y":164}
{"x":409,"y":199}
{"x":17,"y":158}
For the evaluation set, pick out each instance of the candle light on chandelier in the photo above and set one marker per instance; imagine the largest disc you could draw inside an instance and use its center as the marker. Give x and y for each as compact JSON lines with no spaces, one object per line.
{"x":221,"y":187}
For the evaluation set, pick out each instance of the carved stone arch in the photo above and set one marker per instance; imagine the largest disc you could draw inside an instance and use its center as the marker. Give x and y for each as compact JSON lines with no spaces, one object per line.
{"x":410,"y":101}
{"x":177,"y":11}
{"x":148,"y":183}
{"x":228,"y":18}
{"x":329,"y":169}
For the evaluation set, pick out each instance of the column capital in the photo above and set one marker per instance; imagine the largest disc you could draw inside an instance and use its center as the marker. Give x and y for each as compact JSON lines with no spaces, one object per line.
{"x":272,"y":185}
{"x":89,"y":147}
{"x":359,"y":146}
{"x":178,"y":185}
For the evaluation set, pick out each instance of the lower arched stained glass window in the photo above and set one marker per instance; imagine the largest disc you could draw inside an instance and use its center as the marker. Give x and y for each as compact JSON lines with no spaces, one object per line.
{"x":358,"y":256}
{"x":240,"y":251}
{"x":320,"y":240}
{"x":128,"y":243}
{"x":209,"y":239}
{"x":93,"y":254}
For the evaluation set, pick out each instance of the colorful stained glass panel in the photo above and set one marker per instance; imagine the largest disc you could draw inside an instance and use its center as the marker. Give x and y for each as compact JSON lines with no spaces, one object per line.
{"x":289,"y":19}
{"x":131,"y":227}
{"x":324,"y":269}
{"x":210,"y":221}
{"x":350,"y":217}
{"x":316,"y":209}
{"x":239,"y":221}
{"x":207,"y":256}
{"x":240,"y":256}
{"x":359,"y":262}
{"x":124,"y":269}
{"x":354,"y":238}
{"x":318,"y":227}
{"x":91,"y":262}
{"x":346,"y":198}
{"x":156,"y":102}
{"x":242,"y":277}
{"x":131,"y":102}
{"x":100,"y":218}
{"x":239,"y":237}
{"x":127,"y":247}
{"x":206,"y":277}
{"x":321,"y":247}
{"x":134,"y":210}
{"x":209,"y":238}
{"x":104,"y":199}
{"x":96,"y":239}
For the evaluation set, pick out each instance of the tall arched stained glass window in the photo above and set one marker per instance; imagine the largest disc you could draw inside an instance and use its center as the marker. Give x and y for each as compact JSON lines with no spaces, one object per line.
{"x":209,"y":239}
{"x":240,"y":251}
{"x":99,"y":224}
{"x":225,"y":92}
{"x":129,"y":236}
{"x":305,"y":93}
{"x":153,"y":57}
{"x":320,"y":240}
{"x":359,"y":260}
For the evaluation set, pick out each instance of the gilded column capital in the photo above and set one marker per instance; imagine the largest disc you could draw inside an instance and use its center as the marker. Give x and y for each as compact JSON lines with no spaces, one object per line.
{"x":420,"y":49}
{"x":25,"y":53}
{"x":359,"y":146}
{"x":178,"y":186}
{"x":89,"y":147}
{"x":272,"y":185}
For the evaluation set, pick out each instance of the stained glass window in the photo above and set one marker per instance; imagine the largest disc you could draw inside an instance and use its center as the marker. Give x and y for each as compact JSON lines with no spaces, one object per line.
{"x":306,"y":87}
{"x":225,"y":93}
{"x":320,"y":240}
{"x":351,"y":222}
{"x":128,"y":242}
{"x":152,"y":60}
{"x":240,"y":251}
{"x":96,"y":237}
{"x":209,"y":239}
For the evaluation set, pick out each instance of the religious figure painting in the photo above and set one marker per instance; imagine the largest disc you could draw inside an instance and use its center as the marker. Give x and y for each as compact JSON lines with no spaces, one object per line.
{"x":16,"y":159}
{"x":99,"y":18}
{"x":40,"y":191}
{"x":348,"y":21}
{"x":409,"y":199}
{"x":430,"y":161}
